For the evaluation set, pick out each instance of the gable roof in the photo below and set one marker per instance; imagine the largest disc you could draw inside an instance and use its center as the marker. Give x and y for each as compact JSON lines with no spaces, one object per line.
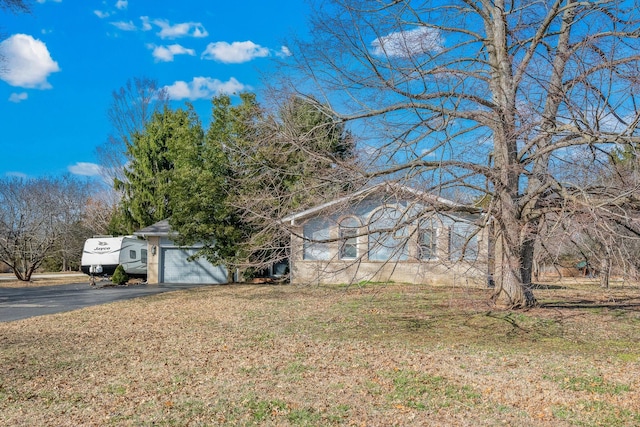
{"x":388,"y":188}
{"x":159,"y":229}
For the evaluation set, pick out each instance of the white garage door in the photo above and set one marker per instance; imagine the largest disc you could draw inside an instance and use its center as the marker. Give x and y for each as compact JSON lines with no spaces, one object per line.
{"x":177,"y":269}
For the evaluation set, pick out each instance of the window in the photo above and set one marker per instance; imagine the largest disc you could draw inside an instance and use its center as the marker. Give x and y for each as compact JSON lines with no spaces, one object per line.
{"x":132,"y":254}
{"x":427,"y":244}
{"x":316,"y":234}
{"x":387,"y":236}
{"x":348,"y":232}
{"x":427,"y":240}
{"x":143,"y":255}
{"x":463,"y":242}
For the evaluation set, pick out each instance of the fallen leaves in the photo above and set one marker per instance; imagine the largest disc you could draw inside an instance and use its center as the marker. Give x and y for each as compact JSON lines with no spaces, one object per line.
{"x":404,"y":355}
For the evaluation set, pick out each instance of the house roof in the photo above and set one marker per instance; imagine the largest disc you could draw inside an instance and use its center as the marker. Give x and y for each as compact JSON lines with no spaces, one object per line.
{"x":384,"y":187}
{"x":159,"y":229}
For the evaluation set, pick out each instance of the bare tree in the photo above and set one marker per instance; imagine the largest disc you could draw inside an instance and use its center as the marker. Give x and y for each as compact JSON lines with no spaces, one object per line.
{"x":491,"y":99}
{"x":72,"y":201}
{"x":14,"y":6}
{"x":603,"y":236}
{"x":37,"y":218}
{"x":131,"y":109}
{"x":97,"y":214}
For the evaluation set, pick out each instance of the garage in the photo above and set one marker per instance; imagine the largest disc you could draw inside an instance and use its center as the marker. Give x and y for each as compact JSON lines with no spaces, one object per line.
{"x":169,"y":263}
{"x":176,"y":268}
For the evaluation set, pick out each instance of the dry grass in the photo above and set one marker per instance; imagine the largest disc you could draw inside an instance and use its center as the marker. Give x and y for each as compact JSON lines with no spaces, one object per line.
{"x":43,"y":281}
{"x":371,"y":355}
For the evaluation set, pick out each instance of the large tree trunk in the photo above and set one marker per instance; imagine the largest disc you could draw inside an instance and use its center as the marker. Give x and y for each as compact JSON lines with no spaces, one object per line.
{"x":514,"y":258}
{"x":22,"y":275}
{"x":511,"y":290}
{"x":514,"y":252}
{"x":526,"y":267}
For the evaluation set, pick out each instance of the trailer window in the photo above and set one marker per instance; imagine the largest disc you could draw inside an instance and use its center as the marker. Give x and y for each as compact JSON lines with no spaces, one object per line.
{"x":143,"y":255}
{"x":132,"y":254}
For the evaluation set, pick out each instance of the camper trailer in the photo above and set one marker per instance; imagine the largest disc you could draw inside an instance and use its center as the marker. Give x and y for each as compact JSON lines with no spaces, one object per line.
{"x":102,"y":255}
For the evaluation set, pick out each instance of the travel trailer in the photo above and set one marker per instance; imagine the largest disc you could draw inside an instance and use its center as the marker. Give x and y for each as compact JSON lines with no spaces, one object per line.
{"x":102,"y":255}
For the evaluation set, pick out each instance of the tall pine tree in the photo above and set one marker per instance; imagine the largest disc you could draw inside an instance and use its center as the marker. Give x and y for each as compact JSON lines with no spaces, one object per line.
{"x":167,"y":138}
{"x":204,"y":186}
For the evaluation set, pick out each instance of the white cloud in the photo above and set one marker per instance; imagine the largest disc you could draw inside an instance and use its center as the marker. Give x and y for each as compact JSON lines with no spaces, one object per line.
{"x":284,"y":52}
{"x":204,"y":88}
{"x":173,"y":31}
{"x":146,"y":26}
{"x":124,"y":26}
{"x":27,"y":62}
{"x":185,"y":29}
{"x":85,"y":169}
{"x":55,"y":1}
{"x":18,"y":97}
{"x":234,"y":53}
{"x":122,"y":4}
{"x":167,"y":53}
{"x":405,"y":44}
{"x":101,"y":14}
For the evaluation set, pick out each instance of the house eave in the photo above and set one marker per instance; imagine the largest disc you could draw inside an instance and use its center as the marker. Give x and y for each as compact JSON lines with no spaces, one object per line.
{"x":386,"y":187}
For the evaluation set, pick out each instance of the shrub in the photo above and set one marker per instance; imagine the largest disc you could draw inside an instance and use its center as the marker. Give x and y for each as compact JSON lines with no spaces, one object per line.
{"x":119,"y":276}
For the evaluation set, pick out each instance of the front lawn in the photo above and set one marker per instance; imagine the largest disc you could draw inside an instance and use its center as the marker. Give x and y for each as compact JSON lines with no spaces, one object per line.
{"x":373,"y":354}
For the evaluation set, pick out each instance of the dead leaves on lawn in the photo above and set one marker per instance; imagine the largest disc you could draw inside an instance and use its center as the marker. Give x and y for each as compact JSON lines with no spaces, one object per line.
{"x":285,"y":355}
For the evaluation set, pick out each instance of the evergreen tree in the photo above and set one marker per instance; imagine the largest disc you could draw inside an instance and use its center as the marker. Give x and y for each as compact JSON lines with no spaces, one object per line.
{"x":152,"y":155}
{"x":253,"y":168}
{"x":120,"y":277}
{"x":203,"y":186}
{"x":287,"y":161}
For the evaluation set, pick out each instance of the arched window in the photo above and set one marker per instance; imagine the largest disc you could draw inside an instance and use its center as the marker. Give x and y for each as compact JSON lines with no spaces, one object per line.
{"x":388,"y":236}
{"x":348,"y":232}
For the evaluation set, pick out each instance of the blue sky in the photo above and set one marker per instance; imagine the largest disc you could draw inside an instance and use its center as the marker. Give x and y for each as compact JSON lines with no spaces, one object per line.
{"x":63,"y":60}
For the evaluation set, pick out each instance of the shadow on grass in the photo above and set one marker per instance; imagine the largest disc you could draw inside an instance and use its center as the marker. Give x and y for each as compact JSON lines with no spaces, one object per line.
{"x":415,"y":323}
{"x":621,"y":303}
{"x":547,"y":286}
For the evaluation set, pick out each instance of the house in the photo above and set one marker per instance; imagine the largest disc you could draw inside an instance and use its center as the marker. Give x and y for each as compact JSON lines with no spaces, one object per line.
{"x":169,"y":263}
{"x":388,"y":232}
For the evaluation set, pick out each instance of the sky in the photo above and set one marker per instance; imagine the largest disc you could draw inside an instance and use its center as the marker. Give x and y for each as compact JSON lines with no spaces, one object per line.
{"x":63,"y":60}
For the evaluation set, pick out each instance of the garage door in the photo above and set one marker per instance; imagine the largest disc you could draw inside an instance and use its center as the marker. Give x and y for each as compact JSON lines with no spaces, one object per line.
{"x":177,"y":269}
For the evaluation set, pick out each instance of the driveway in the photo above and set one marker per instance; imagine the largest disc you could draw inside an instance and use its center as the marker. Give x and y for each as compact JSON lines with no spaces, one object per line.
{"x":22,"y":303}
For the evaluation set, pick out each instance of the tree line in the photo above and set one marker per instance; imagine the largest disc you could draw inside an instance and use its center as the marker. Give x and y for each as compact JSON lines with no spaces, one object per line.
{"x":45,"y":221}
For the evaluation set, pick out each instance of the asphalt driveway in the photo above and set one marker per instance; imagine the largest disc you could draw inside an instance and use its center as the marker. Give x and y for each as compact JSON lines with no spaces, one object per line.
{"x":22,"y":303}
